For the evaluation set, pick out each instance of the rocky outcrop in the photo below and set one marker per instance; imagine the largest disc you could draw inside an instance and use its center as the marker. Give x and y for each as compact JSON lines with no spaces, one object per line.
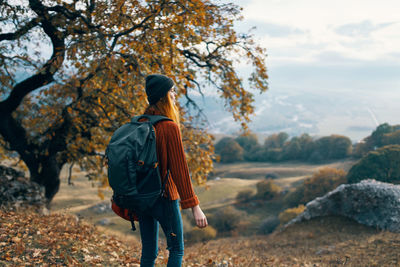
{"x":369,"y":202}
{"x":16,"y":190}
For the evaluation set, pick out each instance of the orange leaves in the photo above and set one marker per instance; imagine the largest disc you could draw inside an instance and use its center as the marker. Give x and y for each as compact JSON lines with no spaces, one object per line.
{"x":58,"y":239}
{"x":200,"y":153}
{"x":112,"y":47}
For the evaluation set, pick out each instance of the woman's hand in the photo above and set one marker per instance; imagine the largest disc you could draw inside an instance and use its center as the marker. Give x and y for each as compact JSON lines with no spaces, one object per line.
{"x":199,"y":217}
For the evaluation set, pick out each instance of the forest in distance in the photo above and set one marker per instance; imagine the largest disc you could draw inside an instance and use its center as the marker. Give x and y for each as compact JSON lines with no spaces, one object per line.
{"x":279,"y":147}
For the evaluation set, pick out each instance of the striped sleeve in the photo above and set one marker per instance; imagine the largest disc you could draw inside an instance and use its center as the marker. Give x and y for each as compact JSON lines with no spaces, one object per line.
{"x":178,"y":167}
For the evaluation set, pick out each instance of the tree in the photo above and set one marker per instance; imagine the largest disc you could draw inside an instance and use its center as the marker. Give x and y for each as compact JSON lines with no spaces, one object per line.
{"x":340,"y":147}
{"x":331,"y":147}
{"x":384,"y":134}
{"x":72,"y":72}
{"x":382,"y":164}
{"x":276,"y":140}
{"x":392,"y":138}
{"x":307,"y":145}
{"x":231,"y":152}
{"x":292,"y":149}
{"x":223,"y":142}
{"x":247,"y":141}
{"x":250,"y":145}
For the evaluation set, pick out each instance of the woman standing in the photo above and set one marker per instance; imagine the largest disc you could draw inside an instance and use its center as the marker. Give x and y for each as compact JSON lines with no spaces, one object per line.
{"x":171,"y":156}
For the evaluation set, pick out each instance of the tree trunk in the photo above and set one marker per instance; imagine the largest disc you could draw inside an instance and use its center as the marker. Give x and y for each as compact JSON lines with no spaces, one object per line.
{"x":47,"y":174}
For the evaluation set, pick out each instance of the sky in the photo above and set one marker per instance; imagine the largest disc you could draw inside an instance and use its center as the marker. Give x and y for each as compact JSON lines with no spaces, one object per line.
{"x":332,"y":49}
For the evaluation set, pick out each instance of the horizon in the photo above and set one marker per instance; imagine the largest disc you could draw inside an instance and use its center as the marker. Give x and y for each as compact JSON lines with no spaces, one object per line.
{"x":341,"y":56}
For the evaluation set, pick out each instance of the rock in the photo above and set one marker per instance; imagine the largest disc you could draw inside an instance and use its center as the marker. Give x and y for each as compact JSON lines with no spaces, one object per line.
{"x":16,"y":190}
{"x":104,"y":221}
{"x":368,"y":202}
{"x":102,"y":207}
{"x":324,"y":251}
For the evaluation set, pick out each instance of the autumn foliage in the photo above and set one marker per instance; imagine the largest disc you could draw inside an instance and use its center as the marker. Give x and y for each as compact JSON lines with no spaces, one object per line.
{"x":324,"y":180}
{"x":73,"y":72}
{"x":58,"y":239}
{"x":268,"y":190}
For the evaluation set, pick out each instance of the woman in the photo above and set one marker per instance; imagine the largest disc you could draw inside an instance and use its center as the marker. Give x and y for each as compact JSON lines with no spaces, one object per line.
{"x":171,"y":156}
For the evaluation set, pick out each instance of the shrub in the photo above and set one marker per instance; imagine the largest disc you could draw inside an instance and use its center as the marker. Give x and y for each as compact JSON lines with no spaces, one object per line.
{"x":382,"y":165}
{"x":268,"y":225}
{"x":271,"y":175}
{"x":226,"y":219}
{"x":268,"y":190}
{"x":321,"y":182}
{"x":294,"y":197}
{"x":289,"y":214}
{"x":201,"y":234}
{"x":244,"y":195}
{"x":186,"y":221}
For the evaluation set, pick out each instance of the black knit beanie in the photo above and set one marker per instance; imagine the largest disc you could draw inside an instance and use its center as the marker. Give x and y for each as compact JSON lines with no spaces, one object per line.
{"x":157,"y":86}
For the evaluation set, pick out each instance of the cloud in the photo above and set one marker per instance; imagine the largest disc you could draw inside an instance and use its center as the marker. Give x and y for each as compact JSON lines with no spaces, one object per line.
{"x":270,"y":29}
{"x":363,"y":29}
{"x":298,"y":31}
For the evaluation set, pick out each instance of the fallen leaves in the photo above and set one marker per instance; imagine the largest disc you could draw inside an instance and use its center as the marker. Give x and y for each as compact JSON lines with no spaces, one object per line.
{"x":63,"y":240}
{"x":59,"y":240}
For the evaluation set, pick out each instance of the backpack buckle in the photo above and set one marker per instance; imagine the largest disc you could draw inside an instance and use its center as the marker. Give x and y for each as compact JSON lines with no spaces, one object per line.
{"x":140,"y":162}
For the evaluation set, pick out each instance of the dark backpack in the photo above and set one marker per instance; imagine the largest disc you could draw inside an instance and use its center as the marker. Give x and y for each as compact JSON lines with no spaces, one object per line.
{"x":133,"y":171}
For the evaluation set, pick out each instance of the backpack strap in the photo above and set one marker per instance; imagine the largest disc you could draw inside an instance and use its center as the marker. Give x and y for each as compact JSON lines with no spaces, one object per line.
{"x":152,"y":118}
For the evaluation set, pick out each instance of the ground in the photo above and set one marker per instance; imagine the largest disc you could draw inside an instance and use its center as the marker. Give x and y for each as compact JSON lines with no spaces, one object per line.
{"x":72,"y":235}
{"x":28,"y":238}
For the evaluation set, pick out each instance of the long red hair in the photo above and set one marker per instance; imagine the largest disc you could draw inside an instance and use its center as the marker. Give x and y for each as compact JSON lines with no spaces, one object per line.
{"x":167,"y":107}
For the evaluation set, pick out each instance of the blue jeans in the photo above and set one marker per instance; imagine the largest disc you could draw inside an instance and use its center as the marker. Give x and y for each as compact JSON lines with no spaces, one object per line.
{"x":167,"y":213}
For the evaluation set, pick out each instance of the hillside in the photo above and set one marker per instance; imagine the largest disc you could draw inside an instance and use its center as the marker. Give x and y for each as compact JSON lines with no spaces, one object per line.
{"x":81,"y":230}
{"x":63,"y":239}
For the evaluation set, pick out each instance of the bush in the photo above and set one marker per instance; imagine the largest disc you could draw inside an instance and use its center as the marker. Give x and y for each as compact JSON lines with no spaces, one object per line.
{"x":289,"y":214}
{"x":271,"y":175}
{"x":226,"y":219}
{"x":187,"y":221}
{"x":382,"y":165}
{"x":321,"y":182}
{"x":244,"y":195}
{"x":267,"y":190}
{"x":294,"y":197}
{"x":201,"y":234}
{"x":268,"y":225}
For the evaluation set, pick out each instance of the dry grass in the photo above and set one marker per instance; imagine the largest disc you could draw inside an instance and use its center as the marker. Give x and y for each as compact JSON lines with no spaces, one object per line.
{"x":329,"y":241}
{"x":222,"y":192}
{"x":78,"y":199}
{"x":290,"y":171}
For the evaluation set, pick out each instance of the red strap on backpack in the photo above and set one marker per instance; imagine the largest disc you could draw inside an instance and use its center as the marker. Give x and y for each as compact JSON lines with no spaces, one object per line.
{"x":121,"y":212}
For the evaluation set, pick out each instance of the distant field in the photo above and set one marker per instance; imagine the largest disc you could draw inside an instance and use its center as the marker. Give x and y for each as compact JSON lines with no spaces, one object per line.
{"x":287,"y":172}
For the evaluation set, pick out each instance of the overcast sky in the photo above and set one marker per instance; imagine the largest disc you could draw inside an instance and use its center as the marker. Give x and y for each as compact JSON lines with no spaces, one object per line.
{"x":346,"y":47}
